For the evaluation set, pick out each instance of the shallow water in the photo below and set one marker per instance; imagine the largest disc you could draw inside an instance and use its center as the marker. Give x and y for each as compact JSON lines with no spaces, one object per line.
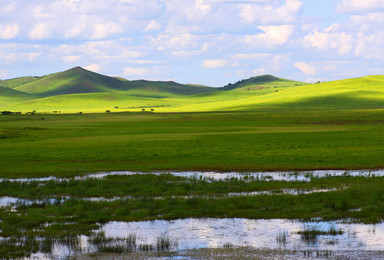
{"x":217,"y":176}
{"x":6,"y":201}
{"x":215,"y":233}
{"x":239,"y":232}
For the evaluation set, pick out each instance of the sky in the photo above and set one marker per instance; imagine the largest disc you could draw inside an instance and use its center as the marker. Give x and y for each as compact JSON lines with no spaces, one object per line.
{"x":208,"y":42}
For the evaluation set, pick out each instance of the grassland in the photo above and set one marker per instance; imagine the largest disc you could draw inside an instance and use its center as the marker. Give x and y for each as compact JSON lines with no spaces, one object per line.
{"x":64,"y":145}
{"x":268,"y":126}
{"x":78,"y":90}
{"x":74,"y":144}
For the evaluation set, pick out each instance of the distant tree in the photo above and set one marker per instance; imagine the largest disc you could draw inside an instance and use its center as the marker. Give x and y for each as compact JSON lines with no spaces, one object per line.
{"x":143,"y":109}
{"x":116,"y":107}
{"x":152,"y":110}
{"x":6,"y":112}
{"x":107,"y":111}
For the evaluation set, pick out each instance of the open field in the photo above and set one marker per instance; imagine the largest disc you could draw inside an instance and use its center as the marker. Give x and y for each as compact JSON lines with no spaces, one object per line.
{"x":64,"y":145}
{"x":269,"y":126}
{"x":75,"y":144}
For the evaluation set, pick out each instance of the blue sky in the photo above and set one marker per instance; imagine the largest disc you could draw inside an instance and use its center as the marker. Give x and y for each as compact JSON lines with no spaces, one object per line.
{"x":211,"y":42}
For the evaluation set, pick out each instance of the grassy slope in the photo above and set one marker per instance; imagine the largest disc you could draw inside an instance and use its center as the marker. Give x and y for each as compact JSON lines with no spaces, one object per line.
{"x":366,"y":92}
{"x":76,"y":80}
{"x":8,"y":96}
{"x":358,"y":93}
{"x":168,"y":87}
{"x":94,"y":102}
{"x":12,"y":83}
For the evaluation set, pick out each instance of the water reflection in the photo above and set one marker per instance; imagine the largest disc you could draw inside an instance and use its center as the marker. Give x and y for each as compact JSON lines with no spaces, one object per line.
{"x":212,"y":233}
{"x":6,"y":201}
{"x":239,"y":232}
{"x":217,"y":176}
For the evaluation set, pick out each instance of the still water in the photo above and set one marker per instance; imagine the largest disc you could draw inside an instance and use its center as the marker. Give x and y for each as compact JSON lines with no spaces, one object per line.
{"x":239,"y":232}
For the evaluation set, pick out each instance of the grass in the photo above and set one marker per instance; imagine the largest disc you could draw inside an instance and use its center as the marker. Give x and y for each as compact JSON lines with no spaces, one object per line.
{"x":65,"y":145}
{"x":340,"y":128}
{"x":77,"y":90}
{"x":63,"y":222}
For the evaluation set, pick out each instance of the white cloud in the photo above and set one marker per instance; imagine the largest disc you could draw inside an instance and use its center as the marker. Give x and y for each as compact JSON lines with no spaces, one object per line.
{"x":173,"y":42}
{"x":102,"y":30}
{"x":70,"y":59}
{"x":358,"y":6}
{"x":260,"y":71}
{"x":213,"y":64}
{"x":4,"y":73}
{"x":250,"y":56}
{"x":271,"y":13}
{"x":8,"y":31}
{"x":145,"y":72}
{"x":273,"y":35}
{"x":136,"y":71}
{"x":305,"y":68}
{"x":6,"y":9}
{"x":153,"y":25}
{"x":39,"y":32}
{"x":340,"y":41}
{"x":93,"y":67}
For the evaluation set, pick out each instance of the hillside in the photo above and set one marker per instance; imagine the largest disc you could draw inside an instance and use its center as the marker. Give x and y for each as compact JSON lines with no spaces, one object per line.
{"x":8,"y":96}
{"x":261,"y":82}
{"x":356,"y":93}
{"x":12,"y":83}
{"x":79,"y":89}
{"x":78,"y":80}
{"x":159,"y":87}
{"x":75,"y":80}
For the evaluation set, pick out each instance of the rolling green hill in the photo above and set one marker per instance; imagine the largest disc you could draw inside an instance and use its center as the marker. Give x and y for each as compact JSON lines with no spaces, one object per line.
{"x":9,"y":96}
{"x":75,"y":80}
{"x":12,"y":83}
{"x":78,"y":80}
{"x":261,"y":82}
{"x":356,"y":93}
{"x":78,"y":89}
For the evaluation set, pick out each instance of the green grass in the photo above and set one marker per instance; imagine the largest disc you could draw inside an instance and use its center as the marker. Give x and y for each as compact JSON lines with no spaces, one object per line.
{"x":12,"y":83}
{"x":64,"y":145}
{"x":81,"y":90}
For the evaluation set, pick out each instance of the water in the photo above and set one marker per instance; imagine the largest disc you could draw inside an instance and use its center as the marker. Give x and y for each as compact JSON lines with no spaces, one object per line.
{"x":6,"y":201}
{"x":239,"y":232}
{"x":215,"y":233}
{"x":220,"y":176}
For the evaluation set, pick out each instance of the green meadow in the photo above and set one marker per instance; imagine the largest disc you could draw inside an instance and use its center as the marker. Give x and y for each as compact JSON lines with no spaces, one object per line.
{"x":64,"y":145}
{"x":78,"y":122}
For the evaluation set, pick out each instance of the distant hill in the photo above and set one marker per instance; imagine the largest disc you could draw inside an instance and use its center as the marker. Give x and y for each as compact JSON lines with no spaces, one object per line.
{"x":72,"y":81}
{"x":165,"y":86}
{"x":261,"y":82}
{"x":11,"y":83}
{"x":78,"y":89}
{"x":78,"y":80}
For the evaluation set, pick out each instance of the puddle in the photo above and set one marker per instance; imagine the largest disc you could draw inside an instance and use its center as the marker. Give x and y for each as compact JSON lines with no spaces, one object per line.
{"x":218,"y":233}
{"x":6,"y":201}
{"x":278,"y":176}
{"x":215,"y":233}
{"x":12,"y":201}
{"x":221,"y":176}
